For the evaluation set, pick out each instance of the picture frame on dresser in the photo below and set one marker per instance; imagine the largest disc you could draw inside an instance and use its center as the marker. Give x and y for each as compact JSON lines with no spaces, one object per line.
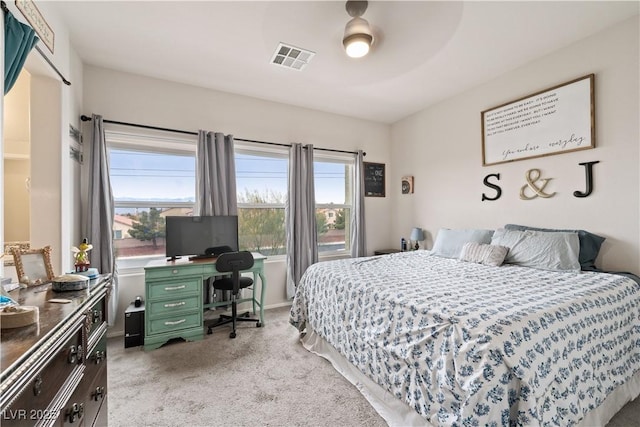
{"x":33,"y":266}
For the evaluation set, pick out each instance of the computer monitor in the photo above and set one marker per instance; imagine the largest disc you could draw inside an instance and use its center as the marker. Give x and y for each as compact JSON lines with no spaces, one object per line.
{"x":192,"y":235}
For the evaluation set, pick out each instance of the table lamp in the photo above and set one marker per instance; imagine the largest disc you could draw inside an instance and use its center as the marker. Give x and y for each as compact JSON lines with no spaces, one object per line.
{"x":417,"y":235}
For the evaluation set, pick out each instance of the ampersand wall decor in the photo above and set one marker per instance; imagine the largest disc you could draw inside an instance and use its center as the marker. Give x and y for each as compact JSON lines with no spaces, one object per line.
{"x":532,"y":176}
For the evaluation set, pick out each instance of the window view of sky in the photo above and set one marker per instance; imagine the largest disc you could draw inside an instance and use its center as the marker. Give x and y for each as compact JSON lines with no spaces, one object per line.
{"x":151,"y":176}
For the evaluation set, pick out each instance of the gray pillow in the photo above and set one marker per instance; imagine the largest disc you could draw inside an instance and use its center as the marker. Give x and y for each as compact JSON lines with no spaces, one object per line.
{"x":449,"y":242}
{"x":589,"y":244}
{"x":482,"y":253}
{"x":540,"y":249}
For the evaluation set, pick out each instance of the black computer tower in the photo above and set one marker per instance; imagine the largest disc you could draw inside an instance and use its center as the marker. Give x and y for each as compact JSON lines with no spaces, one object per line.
{"x":134,"y":326}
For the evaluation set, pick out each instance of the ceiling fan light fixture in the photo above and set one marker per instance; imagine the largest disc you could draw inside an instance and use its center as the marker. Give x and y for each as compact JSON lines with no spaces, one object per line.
{"x":357,"y":37}
{"x":357,"y":45}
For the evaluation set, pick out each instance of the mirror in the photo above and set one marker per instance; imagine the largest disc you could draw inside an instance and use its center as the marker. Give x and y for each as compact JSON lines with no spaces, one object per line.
{"x":33,"y":266}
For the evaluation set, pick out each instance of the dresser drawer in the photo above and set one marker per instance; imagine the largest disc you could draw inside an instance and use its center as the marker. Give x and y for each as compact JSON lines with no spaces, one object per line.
{"x":97,"y":358}
{"x":41,"y":389}
{"x":172,"y":288}
{"x":97,"y":315}
{"x":82,"y":407}
{"x":175,"y":323}
{"x":171,"y":307}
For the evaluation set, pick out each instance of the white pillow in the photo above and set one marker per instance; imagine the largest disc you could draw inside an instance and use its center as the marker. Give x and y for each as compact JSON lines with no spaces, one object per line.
{"x":556,"y":251}
{"x":449,"y":243}
{"x":482,"y":253}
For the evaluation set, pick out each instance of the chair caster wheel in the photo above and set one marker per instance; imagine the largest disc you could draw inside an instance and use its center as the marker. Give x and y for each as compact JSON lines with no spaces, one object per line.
{"x":232,"y":335}
{"x":258,"y":325}
{"x":209,"y":331}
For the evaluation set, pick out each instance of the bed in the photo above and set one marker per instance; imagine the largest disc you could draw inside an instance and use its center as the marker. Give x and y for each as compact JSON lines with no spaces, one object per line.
{"x":441,"y":340}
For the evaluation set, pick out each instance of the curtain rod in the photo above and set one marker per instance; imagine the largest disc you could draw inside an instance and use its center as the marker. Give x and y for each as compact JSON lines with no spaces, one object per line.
{"x":186,"y":132}
{"x":65,"y":81}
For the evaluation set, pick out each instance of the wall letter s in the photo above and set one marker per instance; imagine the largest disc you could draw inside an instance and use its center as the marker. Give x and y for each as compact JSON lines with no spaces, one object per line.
{"x":494,"y":186}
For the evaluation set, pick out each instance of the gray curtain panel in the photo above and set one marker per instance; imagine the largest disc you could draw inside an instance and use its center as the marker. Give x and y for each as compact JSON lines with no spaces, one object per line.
{"x":99,"y":213}
{"x":300,"y":216}
{"x":358,"y":239}
{"x":215,"y":174}
{"x":216,"y":183}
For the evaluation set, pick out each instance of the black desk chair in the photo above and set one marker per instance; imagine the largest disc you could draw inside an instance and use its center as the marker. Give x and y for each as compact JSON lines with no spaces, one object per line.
{"x":233,"y":262}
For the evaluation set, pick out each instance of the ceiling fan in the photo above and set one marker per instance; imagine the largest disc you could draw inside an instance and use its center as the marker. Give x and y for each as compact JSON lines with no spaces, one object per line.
{"x":358,"y":36}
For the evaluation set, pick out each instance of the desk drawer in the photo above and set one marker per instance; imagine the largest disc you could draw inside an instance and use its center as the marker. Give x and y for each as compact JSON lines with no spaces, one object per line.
{"x":173,"y":288}
{"x":176,"y":272}
{"x":175,"y":323}
{"x":173,"y":306}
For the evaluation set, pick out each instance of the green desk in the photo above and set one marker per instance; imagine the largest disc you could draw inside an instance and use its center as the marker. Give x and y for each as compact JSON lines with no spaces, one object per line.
{"x":174,"y":303}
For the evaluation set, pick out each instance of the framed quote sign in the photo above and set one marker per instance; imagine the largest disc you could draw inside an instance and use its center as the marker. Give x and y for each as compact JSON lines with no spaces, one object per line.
{"x":374,"y":180}
{"x":554,"y":121}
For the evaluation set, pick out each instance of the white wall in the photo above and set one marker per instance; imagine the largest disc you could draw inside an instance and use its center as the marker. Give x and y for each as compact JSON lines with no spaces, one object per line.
{"x":17,"y":148}
{"x":137,"y":99}
{"x":53,"y":222}
{"x":441,"y":146}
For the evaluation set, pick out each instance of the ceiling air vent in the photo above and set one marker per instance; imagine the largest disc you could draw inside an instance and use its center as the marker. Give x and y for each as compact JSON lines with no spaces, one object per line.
{"x":291,"y":57}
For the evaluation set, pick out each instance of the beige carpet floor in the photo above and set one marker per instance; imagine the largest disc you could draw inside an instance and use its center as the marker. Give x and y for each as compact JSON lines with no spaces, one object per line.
{"x":264,"y":377}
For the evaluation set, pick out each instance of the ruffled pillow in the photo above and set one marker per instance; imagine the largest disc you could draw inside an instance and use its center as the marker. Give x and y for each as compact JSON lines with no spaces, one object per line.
{"x":482,"y":253}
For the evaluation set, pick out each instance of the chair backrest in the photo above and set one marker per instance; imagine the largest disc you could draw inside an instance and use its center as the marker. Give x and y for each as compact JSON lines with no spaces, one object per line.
{"x":217,"y":250}
{"x":234,"y":261}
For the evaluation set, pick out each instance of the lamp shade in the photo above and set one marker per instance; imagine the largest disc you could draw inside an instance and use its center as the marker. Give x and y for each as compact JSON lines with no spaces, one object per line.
{"x":417,"y":234}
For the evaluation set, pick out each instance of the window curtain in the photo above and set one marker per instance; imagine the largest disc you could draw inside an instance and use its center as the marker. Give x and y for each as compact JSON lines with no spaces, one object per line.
{"x":99,"y":213}
{"x":216,"y":185}
{"x":358,"y":235}
{"x":19,"y":39}
{"x":215,"y":174}
{"x":300,"y":216}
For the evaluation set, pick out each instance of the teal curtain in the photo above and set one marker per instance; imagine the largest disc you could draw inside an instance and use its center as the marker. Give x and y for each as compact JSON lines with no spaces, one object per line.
{"x":19,"y":39}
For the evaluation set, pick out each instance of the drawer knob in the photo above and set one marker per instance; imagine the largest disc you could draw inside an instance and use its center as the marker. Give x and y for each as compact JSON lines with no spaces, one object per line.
{"x":174,"y":271}
{"x":98,"y":393}
{"x":100,"y":356}
{"x":75,"y":412}
{"x":97,"y":316}
{"x":74,"y":355}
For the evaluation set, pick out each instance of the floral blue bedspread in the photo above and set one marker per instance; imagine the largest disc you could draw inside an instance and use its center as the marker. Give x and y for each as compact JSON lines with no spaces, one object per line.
{"x":471,"y":345}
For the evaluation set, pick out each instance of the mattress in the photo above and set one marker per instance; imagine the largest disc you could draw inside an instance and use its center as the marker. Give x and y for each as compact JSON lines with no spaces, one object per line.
{"x":467,"y":344}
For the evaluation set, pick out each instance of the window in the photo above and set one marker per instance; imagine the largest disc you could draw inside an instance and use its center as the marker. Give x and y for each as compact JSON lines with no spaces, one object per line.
{"x":261,"y":183}
{"x":334,"y":188}
{"x":153,"y":176}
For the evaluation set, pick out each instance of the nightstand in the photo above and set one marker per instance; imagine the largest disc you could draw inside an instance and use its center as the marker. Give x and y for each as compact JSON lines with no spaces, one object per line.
{"x":386,"y":251}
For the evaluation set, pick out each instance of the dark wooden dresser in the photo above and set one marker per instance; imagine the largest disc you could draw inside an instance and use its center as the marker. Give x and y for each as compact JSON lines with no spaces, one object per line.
{"x":54,"y":373}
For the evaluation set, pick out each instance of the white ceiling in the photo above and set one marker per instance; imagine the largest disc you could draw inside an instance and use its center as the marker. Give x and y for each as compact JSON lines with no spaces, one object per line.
{"x":424,"y":51}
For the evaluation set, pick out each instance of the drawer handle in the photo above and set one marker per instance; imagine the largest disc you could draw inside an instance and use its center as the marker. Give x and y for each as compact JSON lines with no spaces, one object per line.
{"x":174,"y":288}
{"x":100,"y":356}
{"x":174,"y":304}
{"x":74,"y":355}
{"x":98,"y":393}
{"x":75,"y":412}
{"x":177,"y":322}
